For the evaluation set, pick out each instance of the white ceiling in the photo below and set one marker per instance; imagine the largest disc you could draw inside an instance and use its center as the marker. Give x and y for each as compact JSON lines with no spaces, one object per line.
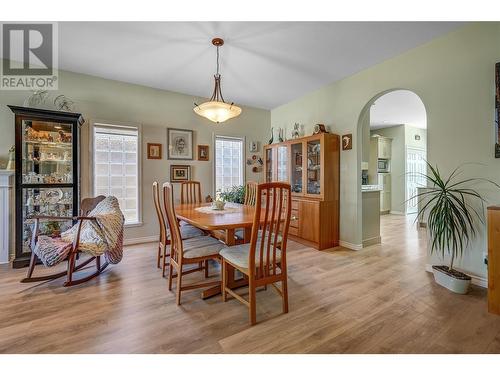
{"x":263,"y":64}
{"x":396,"y":108}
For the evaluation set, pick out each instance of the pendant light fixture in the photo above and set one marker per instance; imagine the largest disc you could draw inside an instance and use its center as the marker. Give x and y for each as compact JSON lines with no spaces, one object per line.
{"x":216,"y":109}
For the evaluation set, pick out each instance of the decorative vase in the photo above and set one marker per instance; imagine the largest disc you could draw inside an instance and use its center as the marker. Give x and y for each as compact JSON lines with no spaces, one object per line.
{"x":11,"y":165}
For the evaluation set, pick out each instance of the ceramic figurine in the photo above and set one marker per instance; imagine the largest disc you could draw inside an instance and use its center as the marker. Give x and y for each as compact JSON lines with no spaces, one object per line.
{"x":11,"y":165}
{"x":272,"y":136}
{"x":295,"y":132}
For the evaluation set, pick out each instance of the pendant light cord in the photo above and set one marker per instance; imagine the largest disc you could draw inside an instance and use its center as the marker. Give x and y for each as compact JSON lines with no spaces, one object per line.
{"x":217,"y":60}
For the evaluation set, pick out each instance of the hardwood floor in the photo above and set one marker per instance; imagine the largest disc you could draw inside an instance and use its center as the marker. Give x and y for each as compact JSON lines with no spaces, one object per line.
{"x":378,"y":300}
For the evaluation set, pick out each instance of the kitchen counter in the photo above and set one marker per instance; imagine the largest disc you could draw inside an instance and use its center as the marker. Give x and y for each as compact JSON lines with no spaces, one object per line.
{"x":371,"y":216}
{"x":368,"y":188}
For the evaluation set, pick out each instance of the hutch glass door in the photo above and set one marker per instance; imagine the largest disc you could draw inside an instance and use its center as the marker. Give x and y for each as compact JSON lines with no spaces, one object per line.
{"x":46,"y":176}
{"x":269,"y":164}
{"x":282,"y":162}
{"x":314,"y":167}
{"x":296,"y":167}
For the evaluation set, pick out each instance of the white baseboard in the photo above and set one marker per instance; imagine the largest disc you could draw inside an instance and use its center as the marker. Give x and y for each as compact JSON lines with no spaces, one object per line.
{"x":351,"y":246}
{"x":137,"y":240}
{"x":397,"y":213}
{"x":475,"y":280}
{"x":372,"y":241}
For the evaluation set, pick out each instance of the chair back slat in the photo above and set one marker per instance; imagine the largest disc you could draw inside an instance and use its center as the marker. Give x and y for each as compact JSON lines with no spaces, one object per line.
{"x":273,"y":201}
{"x":159,"y":212}
{"x":176,"y":249}
{"x":190,"y":192}
{"x":250,"y":193}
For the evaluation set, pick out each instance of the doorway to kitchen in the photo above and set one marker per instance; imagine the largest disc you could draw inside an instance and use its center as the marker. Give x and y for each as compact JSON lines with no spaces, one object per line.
{"x":393,"y":129}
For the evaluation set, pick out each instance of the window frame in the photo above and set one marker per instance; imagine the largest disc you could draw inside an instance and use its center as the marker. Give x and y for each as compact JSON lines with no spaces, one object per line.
{"x":243,"y":158}
{"x":119,"y":124}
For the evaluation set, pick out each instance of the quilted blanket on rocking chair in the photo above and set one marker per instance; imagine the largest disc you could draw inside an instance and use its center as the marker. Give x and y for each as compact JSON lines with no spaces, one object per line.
{"x":104,"y":236}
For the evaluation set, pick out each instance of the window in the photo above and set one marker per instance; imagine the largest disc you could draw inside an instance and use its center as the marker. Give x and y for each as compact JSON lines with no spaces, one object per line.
{"x":116,"y":166}
{"x":228,"y":162}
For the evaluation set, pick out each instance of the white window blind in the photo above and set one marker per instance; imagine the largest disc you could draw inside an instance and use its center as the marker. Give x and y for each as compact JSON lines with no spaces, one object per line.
{"x":228,"y":162}
{"x":116,"y":166}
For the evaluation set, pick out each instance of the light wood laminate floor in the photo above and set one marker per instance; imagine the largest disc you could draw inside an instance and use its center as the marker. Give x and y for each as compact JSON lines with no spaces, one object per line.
{"x":378,"y":300}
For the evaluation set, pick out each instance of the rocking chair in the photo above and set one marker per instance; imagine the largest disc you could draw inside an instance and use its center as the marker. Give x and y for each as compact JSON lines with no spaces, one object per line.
{"x":87,"y":206}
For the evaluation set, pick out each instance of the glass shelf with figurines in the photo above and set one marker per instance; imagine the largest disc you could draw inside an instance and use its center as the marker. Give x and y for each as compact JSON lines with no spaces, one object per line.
{"x":46,"y":202}
{"x":47,"y":153}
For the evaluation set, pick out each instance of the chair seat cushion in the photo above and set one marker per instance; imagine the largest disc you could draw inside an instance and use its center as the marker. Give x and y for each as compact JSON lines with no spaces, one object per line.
{"x":190,"y":231}
{"x":240,"y":234}
{"x":201,"y":246}
{"x":238,"y":255}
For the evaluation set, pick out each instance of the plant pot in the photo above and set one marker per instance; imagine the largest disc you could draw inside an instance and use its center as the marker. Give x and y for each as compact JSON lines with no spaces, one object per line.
{"x":456,"y":281}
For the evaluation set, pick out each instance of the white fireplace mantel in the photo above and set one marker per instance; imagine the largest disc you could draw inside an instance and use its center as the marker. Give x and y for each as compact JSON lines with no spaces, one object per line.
{"x":6,"y":213}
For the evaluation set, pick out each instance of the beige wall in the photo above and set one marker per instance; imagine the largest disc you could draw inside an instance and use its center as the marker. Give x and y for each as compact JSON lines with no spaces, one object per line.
{"x":454,"y":77}
{"x":156,"y":110}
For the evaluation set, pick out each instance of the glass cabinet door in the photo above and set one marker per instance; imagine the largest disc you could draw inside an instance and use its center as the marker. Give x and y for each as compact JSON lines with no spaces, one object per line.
{"x":296,"y":167}
{"x":314,"y":167}
{"x":47,"y":153}
{"x":282,"y":164}
{"x":47,"y":201}
{"x":269,"y":165}
{"x":46,"y":177}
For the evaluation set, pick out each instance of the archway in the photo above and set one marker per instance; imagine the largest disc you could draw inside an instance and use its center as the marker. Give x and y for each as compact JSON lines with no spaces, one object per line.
{"x":392,"y":140}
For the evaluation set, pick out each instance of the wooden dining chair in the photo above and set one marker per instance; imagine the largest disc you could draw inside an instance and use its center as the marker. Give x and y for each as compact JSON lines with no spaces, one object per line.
{"x":187,"y":231}
{"x":250,"y":193}
{"x":191,"y":251}
{"x":191,"y":192}
{"x":263,"y":260}
{"x":250,"y":197}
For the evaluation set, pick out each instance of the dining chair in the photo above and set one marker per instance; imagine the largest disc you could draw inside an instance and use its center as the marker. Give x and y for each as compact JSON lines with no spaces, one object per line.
{"x":187,"y":231}
{"x":250,"y":193}
{"x":263,"y":260}
{"x":199,"y":249}
{"x":250,"y":196}
{"x":191,"y":192}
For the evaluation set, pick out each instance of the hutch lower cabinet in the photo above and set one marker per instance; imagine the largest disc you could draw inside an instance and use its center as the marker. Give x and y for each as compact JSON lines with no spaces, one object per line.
{"x":311,"y":166}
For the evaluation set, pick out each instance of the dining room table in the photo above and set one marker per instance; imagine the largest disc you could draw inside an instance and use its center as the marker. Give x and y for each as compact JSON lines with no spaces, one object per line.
{"x":234,"y":216}
{"x":225,"y":221}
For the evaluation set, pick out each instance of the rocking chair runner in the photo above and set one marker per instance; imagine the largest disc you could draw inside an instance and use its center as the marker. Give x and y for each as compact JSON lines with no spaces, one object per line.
{"x":87,"y":206}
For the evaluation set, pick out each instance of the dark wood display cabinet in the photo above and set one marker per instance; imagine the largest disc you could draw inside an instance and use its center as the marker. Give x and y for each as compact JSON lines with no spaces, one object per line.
{"x":47,"y":172}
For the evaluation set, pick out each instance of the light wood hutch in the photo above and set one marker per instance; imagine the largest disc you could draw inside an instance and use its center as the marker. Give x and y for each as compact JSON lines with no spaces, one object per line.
{"x":311,"y":166}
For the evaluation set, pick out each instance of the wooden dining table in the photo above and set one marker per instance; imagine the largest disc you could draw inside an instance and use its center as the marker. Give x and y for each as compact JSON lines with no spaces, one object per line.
{"x":236,"y":216}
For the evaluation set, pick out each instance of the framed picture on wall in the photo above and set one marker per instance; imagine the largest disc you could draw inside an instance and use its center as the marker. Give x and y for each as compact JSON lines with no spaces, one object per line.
{"x":180,"y":173}
{"x":180,"y":144}
{"x":154,"y":150}
{"x":203,"y":152}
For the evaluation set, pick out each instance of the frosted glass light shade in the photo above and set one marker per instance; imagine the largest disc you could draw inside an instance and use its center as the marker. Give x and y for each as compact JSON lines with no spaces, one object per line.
{"x":217,"y":111}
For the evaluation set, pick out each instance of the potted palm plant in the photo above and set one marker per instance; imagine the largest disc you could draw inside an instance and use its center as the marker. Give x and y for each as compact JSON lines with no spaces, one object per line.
{"x":453,"y":210}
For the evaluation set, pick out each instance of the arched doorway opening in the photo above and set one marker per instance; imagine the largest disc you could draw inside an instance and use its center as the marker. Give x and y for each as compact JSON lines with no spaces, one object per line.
{"x":392,"y":128}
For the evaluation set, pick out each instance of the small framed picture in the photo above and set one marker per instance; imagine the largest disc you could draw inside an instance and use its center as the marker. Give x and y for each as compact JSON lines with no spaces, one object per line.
{"x":180,"y":173}
{"x":180,"y":144}
{"x":347,"y":142}
{"x":154,"y":150}
{"x":203,"y":152}
{"x":253,"y":146}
